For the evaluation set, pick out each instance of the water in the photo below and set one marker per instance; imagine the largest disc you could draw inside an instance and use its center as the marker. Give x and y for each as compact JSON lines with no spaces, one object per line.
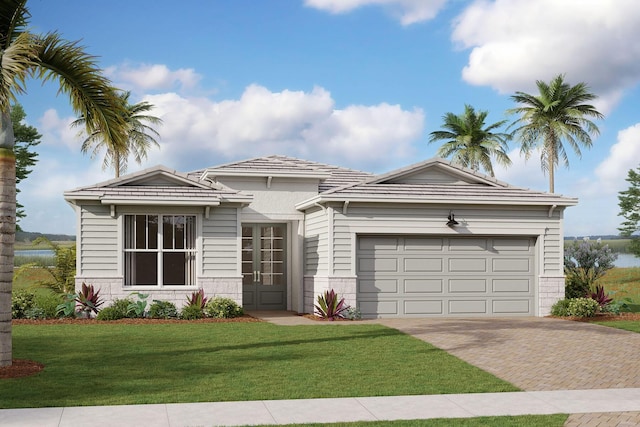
{"x":35,"y":252}
{"x":627,"y":260}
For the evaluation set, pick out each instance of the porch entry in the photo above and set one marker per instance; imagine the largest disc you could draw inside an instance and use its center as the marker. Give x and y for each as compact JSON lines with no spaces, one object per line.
{"x":264,"y":279}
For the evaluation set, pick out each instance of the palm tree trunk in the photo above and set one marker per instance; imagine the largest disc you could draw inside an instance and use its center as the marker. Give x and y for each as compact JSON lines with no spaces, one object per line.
{"x":7,"y":234}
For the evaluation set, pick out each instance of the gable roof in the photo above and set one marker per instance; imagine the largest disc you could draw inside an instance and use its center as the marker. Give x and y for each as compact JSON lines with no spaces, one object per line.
{"x":437,"y":181}
{"x":158,"y":185}
{"x":329,"y":176}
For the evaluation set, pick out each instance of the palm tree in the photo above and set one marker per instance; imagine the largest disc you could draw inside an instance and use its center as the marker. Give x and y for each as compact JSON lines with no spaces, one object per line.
{"x":140,"y":137}
{"x":469,"y":142}
{"x":559,"y":112}
{"x":46,"y":57}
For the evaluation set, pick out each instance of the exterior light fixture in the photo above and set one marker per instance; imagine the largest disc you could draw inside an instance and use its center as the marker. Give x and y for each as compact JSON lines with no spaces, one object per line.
{"x":451,"y":220}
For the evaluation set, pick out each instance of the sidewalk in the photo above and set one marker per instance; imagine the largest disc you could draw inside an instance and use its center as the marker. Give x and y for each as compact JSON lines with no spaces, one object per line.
{"x":330,"y":410}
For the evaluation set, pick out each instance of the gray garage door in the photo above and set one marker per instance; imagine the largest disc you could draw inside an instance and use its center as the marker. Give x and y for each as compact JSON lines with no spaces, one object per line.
{"x":445,"y":276}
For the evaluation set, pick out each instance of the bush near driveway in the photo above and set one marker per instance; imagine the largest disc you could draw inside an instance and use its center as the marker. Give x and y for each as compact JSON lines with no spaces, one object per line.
{"x":115,"y":364}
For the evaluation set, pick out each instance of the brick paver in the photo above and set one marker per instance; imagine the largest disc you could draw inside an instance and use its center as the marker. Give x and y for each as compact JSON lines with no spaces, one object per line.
{"x":607,"y":419}
{"x":536,"y":353}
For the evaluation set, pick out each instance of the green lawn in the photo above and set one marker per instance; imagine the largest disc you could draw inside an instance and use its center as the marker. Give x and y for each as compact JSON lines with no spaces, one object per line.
{"x":110,"y":364}
{"x":556,"y":420}
{"x":627,"y":325}
{"x":624,"y":283}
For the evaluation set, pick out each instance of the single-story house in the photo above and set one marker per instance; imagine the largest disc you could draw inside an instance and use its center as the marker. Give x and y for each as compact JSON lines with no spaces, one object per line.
{"x":272,"y":233}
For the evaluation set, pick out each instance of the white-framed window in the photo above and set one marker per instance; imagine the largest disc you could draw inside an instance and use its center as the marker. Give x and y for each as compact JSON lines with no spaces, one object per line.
{"x":159,"y":250}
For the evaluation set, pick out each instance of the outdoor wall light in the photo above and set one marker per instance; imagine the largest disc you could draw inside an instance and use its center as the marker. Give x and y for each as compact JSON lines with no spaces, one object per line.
{"x":451,"y":220}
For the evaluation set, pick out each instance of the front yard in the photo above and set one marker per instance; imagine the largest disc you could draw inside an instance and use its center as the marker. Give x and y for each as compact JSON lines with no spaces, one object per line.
{"x":115,"y":364}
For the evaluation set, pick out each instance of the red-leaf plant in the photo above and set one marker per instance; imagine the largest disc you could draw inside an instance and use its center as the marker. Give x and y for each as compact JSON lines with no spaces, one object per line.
{"x":88,"y":299}
{"x":600,"y":296}
{"x":197,"y":299}
{"x":329,"y":307}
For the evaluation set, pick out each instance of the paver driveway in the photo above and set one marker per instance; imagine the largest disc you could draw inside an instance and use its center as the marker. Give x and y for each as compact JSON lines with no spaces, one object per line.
{"x":536,"y":353}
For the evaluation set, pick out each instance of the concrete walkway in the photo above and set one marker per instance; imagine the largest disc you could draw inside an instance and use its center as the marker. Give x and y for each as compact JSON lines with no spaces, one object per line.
{"x":328,"y":410}
{"x":589,"y":371}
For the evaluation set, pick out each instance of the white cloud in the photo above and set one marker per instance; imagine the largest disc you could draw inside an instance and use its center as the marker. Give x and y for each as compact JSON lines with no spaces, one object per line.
{"x":516,"y":42}
{"x":199,"y":132}
{"x":623,"y":156}
{"x":57,"y":131}
{"x":408,"y":11}
{"x":148,"y":77}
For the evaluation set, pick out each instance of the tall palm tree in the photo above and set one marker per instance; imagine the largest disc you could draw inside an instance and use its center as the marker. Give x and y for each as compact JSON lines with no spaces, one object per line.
{"x":140,"y":137}
{"x":469,"y":142}
{"x":559,"y":112}
{"x":46,"y":57}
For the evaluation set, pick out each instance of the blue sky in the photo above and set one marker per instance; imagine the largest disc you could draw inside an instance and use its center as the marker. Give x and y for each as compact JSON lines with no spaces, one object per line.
{"x":356,"y":83}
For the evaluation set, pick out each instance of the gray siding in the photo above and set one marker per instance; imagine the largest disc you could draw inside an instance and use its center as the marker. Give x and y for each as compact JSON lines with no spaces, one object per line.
{"x":220,"y":243}
{"x":98,"y":251}
{"x":316,"y":242}
{"x":481,"y":221}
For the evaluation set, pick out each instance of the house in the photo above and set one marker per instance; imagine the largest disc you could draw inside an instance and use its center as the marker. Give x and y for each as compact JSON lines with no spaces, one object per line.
{"x":272,"y":233}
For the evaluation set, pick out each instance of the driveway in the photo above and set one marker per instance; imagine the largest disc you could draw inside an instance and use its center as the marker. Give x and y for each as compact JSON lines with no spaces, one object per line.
{"x":536,"y":353}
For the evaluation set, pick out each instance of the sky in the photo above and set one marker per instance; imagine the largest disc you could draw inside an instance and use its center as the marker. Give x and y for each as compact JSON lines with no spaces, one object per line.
{"x":355,"y":83}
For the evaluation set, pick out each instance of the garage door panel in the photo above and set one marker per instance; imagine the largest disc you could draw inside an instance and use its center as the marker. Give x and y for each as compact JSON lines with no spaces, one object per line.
{"x":424,"y":307}
{"x":377,"y":308}
{"x":467,"y":285}
{"x":378,"y":265}
{"x":440,"y":276}
{"x":515,"y":306}
{"x":457,"y":265}
{"x":372,"y":244}
{"x":378,"y":286}
{"x":511,"y":265}
{"x":462,"y":307}
{"x":426,"y":265}
{"x":468,"y":244}
{"x":423,"y":244}
{"x":423,"y":285}
{"x":512,"y":285}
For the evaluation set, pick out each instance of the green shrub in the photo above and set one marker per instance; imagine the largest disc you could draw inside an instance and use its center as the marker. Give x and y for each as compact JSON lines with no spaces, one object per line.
{"x":138,"y":308}
{"x":163,"y":310}
{"x":48,"y":304}
{"x":118,"y":309}
{"x":583,"y":307}
{"x":191,"y":312}
{"x":578,"y":307}
{"x":353,"y":313}
{"x":110,"y":313}
{"x":34,"y":313}
{"x":21,"y":302}
{"x":222,"y":308}
{"x":585,"y":262}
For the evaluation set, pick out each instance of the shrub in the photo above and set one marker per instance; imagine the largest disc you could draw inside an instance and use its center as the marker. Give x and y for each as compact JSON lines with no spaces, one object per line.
{"x":67,"y":308}
{"x":21,"y":302}
{"x":578,"y":307}
{"x":560,"y":308}
{"x":191,"y":312}
{"x":64,"y":271}
{"x":163,"y":310}
{"x":88,"y":299}
{"x":121,"y":307}
{"x":585,"y":262}
{"x":353,"y":313}
{"x":137,"y":308}
{"x":330,"y":307}
{"x":47,"y":304}
{"x":110,"y":313}
{"x":198,"y":299}
{"x":223,"y":308}
{"x":600,"y":297}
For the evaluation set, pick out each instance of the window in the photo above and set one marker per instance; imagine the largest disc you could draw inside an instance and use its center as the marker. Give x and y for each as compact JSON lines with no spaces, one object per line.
{"x":159,"y":250}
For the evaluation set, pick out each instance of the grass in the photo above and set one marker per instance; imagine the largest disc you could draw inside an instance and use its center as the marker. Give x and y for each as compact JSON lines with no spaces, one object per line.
{"x":627,"y":325}
{"x":115,"y":364}
{"x":624,"y":283}
{"x":556,"y":420}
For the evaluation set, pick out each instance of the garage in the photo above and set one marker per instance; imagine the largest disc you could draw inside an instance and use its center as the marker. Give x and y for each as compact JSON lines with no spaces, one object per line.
{"x":403,"y":276}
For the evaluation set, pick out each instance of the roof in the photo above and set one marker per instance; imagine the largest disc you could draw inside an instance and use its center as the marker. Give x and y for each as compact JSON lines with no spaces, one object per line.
{"x":418,"y":184}
{"x":160,"y":186}
{"x":329,"y":176}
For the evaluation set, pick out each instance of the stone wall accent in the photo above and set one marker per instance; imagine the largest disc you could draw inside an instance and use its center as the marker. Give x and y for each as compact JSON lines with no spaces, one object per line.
{"x":345,"y":287}
{"x":550,"y":290}
{"x":111,"y":288}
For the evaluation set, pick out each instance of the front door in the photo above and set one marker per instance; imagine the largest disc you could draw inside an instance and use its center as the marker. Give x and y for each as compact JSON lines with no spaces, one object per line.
{"x":264,"y":279}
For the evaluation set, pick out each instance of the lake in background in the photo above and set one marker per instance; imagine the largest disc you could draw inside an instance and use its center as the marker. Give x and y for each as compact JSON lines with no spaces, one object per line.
{"x":627,"y":260}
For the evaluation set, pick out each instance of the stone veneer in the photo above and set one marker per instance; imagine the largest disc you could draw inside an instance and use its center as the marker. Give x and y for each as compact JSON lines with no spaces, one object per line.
{"x":345,"y":287}
{"x":550,"y":290}
{"x":111,"y":288}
